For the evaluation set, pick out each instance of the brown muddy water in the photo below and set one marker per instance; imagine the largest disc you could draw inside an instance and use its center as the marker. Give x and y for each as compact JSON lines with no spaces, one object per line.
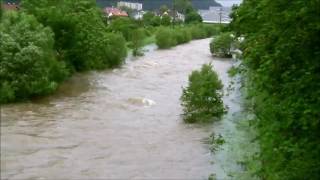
{"x":118,"y":124}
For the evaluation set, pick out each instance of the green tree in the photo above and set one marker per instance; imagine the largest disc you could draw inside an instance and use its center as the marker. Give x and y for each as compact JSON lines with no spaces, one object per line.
{"x":165,"y":38}
{"x":281,"y":51}
{"x":156,"y":21}
{"x":183,"y":6}
{"x":147,"y":18}
{"x":163,"y":9}
{"x":123,"y":25}
{"x":165,"y":20}
{"x":221,"y":45}
{"x":137,"y":41}
{"x":202,"y":98}
{"x":78,"y":27}
{"x":27,"y":66}
{"x":193,"y":17}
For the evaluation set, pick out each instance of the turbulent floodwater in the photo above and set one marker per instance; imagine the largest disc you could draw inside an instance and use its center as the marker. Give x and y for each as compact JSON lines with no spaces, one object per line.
{"x":124,"y":123}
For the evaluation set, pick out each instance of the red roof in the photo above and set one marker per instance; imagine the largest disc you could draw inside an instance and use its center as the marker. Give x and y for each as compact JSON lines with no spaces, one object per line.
{"x":111,"y":11}
{"x":11,"y":6}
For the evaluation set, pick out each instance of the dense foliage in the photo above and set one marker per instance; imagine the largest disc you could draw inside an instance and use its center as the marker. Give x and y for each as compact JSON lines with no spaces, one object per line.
{"x":221,"y":45}
{"x":165,"y":20}
{"x":165,"y":38}
{"x":198,"y":32}
{"x":182,"y":35}
{"x":123,"y":25}
{"x":281,"y":54}
{"x":202,"y":98}
{"x":28,"y":66}
{"x":193,"y":17}
{"x":81,"y":38}
{"x":137,"y":41}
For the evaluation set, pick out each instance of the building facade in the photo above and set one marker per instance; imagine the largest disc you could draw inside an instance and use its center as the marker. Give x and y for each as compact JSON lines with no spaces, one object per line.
{"x":131,"y":5}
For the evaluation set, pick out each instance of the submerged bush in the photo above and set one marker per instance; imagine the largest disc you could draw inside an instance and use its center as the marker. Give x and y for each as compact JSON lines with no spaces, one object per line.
{"x":182,"y":35}
{"x":202,"y":98}
{"x":221,"y":45}
{"x":197,"y":32}
{"x":212,"y":29}
{"x":165,"y":38}
{"x":27,"y":66}
{"x":137,"y":41}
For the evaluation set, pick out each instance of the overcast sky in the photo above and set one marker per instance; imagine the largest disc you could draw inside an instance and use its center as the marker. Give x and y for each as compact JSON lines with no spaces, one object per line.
{"x":228,"y":3}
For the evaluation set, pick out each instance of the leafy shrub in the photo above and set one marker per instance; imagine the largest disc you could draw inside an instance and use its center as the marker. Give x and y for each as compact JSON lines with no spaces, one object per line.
{"x":137,"y":41}
{"x":197,"y":32}
{"x":115,"y":52}
{"x":165,"y":38}
{"x":211,"y":30}
{"x":202,"y":98}
{"x":182,"y":35}
{"x":27,"y":66}
{"x":165,"y":20}
{"x":221,"y":45}
{"x":193,"y":17}
{"x":147,"y":18}
{"x":123,"y":25}
{"x":156,"y":21}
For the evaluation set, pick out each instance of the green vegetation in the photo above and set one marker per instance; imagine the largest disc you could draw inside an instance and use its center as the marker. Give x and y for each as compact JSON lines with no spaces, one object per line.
{"x":147,"y":18}
{"x":193,"y":17}
{"x":198,"y":32}
{"x":81,"y":39}
{"x":166,"y":20}
{"x":165,"y":38}
{"x":221,"y":45}
{"x":28,"y":66}
{"x":202,"y":98}
{"x":123,"y":25}
{"x":48,"y":40}
{"x":137,"y":41}
{"x":281,"y":58}
{"x":53,"y":39}
{"x":182,"y":35}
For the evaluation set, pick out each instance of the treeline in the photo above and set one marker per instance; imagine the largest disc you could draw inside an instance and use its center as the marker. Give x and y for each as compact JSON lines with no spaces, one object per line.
{"x":168,"y":37}
{"x":281,"y":51}
{"x":47,"y":41}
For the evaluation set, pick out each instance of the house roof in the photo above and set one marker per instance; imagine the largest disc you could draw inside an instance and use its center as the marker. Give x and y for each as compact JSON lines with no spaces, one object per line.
{"x":111,"y":11}
{"x":10,"y":6}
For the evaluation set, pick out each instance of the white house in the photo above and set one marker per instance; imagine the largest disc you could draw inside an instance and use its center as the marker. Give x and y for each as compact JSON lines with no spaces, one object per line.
{"x":131,"y":5}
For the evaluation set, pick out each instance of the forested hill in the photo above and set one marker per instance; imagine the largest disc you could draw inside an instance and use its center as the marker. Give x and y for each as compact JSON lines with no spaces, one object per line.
{"x":155,"y":4}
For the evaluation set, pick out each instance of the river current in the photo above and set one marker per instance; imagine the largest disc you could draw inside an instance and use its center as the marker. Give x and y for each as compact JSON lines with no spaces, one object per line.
{"x":117,"y":124}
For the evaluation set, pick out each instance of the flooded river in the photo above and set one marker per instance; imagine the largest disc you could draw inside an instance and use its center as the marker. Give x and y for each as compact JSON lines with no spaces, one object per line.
{"x":117,"y":124}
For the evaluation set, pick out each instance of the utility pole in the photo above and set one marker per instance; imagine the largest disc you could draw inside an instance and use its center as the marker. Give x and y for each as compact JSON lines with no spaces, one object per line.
{"x":220,"y":15}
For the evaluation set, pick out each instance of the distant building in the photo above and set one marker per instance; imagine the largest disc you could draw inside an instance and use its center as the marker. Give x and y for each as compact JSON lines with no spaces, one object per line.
{"x":138,"y":14}
{"x":131,"y":5}
{"x":216,"y":15}
{"x":114,"y":12}
{"x":173,"y":14}
{"x":10,"y":6}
